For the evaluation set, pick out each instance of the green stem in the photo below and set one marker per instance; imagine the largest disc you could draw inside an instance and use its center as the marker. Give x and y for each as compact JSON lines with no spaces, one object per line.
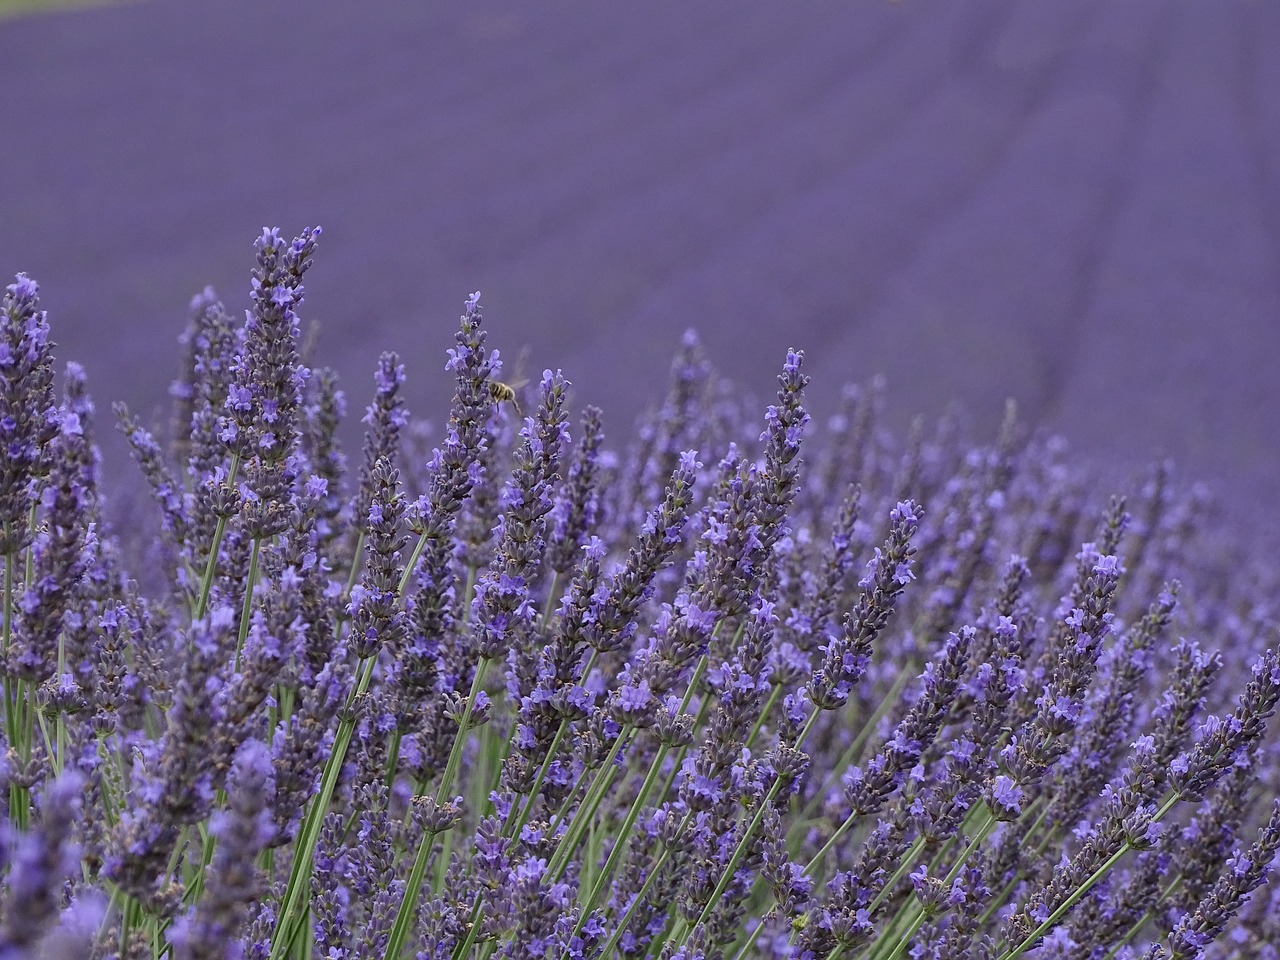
{"x":831,"y":842}
{"x":1067,"y":904}
{"x":1085,"y":887}
{"x":739,"y":852}
{"x":442,"y":863}
{"x":413,"y":887}
{"x":487,"y":769}
{"x":473,"y":928}
{"x":854,"y":751}
{"x":354,"y":572}
{"x":19,"y":722}
{"x":751,"y":940}
{"x":410,"y":564}
{"x":586,"y":810}
{"x":247,"y":610}
{"x":604,"y":777}
{"x":51,"y":742}
{"x":620,"y":840}
{"x":514,"y":825}
{"x":1035,"y":828}
{"x":551,"y":599}
{"x":1146,"y":916}
{"x":455,"y":754}
{"x":621,"y":926}
{"x":905,"y":940}
{"x":11,"y":730}
{"x":414,"y":883}
{"x":703,"y":709}
{"x":59,"y":736}
{"x":129,"y":917}
{"x":914,"y":915}
{"x":206,"y":582}
{"x":293,"y":909}
{"x":908,"y":861}
{"x":572,"y":792}
{"x":764,"y":713}
{"x":393,"y":759}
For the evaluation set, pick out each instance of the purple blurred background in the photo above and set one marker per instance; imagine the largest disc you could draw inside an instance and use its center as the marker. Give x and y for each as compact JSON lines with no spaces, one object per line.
{"x":1076,"y":204}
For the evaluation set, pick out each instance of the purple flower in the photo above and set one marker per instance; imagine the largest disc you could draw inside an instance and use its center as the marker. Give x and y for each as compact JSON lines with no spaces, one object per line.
{"x":1007,"y":796}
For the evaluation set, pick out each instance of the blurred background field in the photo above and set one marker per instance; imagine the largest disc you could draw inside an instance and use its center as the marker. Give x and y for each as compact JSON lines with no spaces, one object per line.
{"x":1073,"y":204}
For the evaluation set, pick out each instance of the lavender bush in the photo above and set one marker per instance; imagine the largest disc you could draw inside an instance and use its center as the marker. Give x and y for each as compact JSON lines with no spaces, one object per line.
{"x":522,"y":697}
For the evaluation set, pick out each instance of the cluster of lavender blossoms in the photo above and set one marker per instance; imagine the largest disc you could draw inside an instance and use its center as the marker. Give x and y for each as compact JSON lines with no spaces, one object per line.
{"x":746,"y":688}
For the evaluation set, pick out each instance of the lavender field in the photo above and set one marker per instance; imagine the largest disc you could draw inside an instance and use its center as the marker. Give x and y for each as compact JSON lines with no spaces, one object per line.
{"x":1073,"y":204}
{"x":877,"y":564}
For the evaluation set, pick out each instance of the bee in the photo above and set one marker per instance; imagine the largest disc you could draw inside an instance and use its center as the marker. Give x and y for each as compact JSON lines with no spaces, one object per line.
{"x":506,"y":392}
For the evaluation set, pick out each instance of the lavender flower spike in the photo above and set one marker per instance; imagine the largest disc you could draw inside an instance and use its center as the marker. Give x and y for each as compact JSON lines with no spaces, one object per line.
{"x":41,"y":863}
{"x":28,"y":411}
{"x":847,"y":656}
{"x":1245,"y":872}
{"x":263,"y":399}
{"x":384,"y":419}
{"x":211,"y":931}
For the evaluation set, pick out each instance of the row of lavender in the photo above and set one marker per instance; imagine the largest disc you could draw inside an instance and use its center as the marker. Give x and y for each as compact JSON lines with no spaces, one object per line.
{"x":516,"y":696}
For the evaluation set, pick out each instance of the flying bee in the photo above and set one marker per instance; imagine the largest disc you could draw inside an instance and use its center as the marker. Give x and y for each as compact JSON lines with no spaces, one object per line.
{"x":506,"y":392}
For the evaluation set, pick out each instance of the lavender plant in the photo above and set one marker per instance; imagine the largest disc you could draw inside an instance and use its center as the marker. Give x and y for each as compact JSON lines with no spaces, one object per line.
{"x":529,"y":698}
